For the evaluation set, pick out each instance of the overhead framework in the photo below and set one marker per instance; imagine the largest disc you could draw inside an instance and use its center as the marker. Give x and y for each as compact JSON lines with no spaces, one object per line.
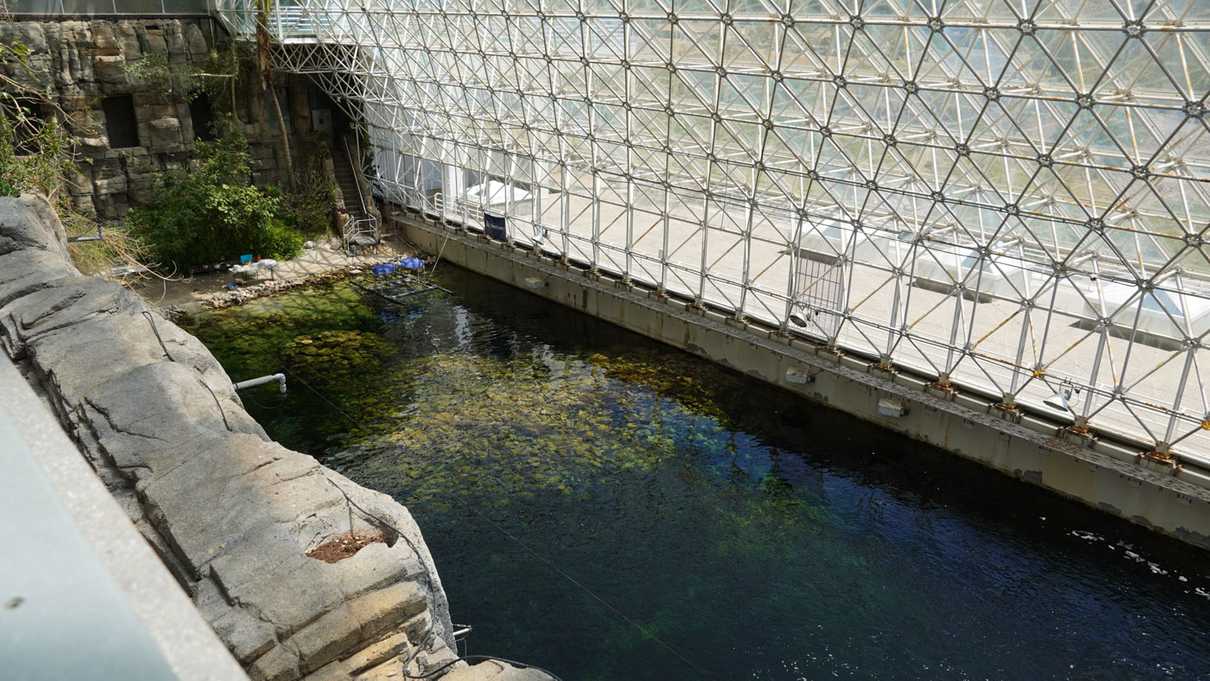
{"x":1008,"y":195}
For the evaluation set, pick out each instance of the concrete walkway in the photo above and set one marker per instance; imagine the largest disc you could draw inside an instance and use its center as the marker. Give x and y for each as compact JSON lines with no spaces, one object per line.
{"x":82,"y":595}
{"x":326,"y":259}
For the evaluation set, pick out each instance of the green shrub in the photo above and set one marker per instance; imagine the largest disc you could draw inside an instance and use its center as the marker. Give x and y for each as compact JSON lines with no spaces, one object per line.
{"x":32,"y":158}
{"x":309,"y":206}
{"x":210,"y":212}
{"x":280,"y":240}
{"x":309,"y":202}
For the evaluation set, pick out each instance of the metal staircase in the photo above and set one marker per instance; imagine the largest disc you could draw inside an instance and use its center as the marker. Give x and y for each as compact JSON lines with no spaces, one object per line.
{"x":361,"y":229}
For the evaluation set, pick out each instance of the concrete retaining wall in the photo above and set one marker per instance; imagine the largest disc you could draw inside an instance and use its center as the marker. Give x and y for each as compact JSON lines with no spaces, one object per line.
{"x":1108,"y":477}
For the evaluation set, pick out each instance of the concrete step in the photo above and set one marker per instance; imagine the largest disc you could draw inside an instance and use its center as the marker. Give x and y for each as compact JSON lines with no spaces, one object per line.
{"x":492,"y":670}
{"x":362,"y":632}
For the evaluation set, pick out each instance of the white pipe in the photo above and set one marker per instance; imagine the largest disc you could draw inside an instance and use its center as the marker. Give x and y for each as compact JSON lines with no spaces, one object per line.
{"x":1078,"y":260}
{"x":253,"y":382}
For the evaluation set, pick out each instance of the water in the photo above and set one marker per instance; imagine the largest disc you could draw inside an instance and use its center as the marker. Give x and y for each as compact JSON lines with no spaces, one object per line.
{"x":613,"y":509}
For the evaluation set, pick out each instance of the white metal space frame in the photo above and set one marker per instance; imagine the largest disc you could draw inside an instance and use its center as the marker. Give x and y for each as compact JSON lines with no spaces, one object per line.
{"x":1012,"y":192}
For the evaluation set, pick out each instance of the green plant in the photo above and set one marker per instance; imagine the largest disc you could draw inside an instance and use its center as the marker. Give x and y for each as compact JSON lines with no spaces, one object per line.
{"x":156,"y":73}
{"x":210,"y":212}
{"x":37,"y":155}
{"x":45,"y":160}
{"x":279,"y":240}
{"x":312,"y":196}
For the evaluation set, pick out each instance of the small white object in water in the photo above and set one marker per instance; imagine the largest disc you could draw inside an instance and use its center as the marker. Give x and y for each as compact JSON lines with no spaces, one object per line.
{"x":308,"y":245}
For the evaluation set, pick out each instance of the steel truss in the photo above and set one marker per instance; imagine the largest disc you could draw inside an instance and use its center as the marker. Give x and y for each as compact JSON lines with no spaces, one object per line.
{"x":1010,"y":196}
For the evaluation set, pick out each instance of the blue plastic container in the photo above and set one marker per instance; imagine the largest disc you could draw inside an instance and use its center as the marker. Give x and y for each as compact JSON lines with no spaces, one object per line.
{"x":383,"y":269}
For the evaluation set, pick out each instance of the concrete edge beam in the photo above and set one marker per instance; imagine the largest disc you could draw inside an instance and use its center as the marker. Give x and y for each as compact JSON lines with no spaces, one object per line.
{"x":147,"y":588}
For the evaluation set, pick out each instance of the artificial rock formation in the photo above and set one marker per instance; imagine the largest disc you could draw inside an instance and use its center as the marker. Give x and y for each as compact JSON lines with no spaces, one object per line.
{"x":232,"y":513}
{"x":78,"y":64}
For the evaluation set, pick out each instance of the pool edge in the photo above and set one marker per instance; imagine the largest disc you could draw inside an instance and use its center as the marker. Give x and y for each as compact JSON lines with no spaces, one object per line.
{"x":1109,"y":476}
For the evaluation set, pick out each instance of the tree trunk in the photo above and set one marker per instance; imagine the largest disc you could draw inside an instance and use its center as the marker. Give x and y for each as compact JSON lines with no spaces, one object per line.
{"x":285,"y":139}
{"x":264,"y":63}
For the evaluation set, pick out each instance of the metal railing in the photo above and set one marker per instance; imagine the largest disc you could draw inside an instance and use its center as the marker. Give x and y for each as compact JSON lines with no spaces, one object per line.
{"x":103,"y":8}
{"x":357,"y":231}
{"x":286,"y":23}
{"x":361,"y":232}
{"x":971,"y":243}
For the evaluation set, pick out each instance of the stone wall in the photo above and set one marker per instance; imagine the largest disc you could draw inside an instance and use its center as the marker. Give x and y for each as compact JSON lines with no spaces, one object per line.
{"x":234,"y":515}
{"x":79,"y":63}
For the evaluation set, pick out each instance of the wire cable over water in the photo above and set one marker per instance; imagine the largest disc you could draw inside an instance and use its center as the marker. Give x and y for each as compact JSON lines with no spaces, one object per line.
{"x":609,"y":606}
{"x":428,"y":578}
{"x":519,"y":542}
{"x":156,"y":330}
{"x":330,"y":403}
{"x":534,"y":553}
{"x":440,"y":252}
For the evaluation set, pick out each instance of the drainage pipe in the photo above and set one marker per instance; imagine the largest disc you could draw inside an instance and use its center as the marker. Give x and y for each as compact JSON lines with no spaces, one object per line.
{"x":253,"y":382}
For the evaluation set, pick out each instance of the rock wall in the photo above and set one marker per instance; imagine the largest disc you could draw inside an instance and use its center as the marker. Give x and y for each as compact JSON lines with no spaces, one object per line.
{"x":80,"y":63}
{"x":232,"y":513}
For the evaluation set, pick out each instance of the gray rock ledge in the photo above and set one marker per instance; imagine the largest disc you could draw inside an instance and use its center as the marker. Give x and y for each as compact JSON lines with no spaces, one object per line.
{"x":230,"y":512}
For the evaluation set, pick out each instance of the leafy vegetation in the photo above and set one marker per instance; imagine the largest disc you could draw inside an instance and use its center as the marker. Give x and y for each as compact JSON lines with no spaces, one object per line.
{"x":206,"y":212}
{"x":210,"y":212}
{"x":312,"y":195}
{"x":32,"y":157}
{"x":37,"y":155}
{"x":186,"y":81}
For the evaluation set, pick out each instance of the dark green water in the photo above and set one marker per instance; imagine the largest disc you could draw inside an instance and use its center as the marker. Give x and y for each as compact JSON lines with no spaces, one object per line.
{"x":741,"y":533}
